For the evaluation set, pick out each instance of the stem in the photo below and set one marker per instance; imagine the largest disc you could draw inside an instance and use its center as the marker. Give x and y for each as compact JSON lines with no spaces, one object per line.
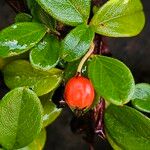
{"x":88,"y":54}
{"x":17,"y":5}
{"x":55,"y":32}
{"x":91,"y":147}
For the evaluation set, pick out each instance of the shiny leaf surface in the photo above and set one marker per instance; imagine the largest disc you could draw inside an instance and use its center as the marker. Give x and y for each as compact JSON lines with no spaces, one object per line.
{"x":51,"y":112}
{"x":141,"y":97}
{"x":20,"y":37}
{"x":20,"y":119}
{"x":20,"y":73}
{"x":127,"y":129}
{"x":112,"y":79}
{"x":45,"y":55}
{"x":119,"y":18}
{"x":23,"y":17}
{"x":39,"y":15}
{"x":71,"y":12}
{"x":77,"y":43}
{"x":38,"y":143}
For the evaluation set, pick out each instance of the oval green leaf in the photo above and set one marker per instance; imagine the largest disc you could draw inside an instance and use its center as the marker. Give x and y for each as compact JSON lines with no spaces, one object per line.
{"x":20,"y":37}
{"x":5,"y":61}
{"x":23,"y":17}
{"x":119,"y":18}
{"x":38,"y":143}
{"x":39,"y":15}
{"x":51,"y":112}
{"x":112,"y":79}
{"x":45,"y":55}
{"x":20,"y":119}
{"x":127,"y":129}
{"x":141,"y":97}
{"x":77,"y":43}
{"x":71,"y":12}
{"x":20,"y":73}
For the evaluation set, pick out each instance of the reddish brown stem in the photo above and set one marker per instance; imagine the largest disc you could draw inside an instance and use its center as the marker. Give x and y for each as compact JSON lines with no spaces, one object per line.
{"x":17,"y":5}
{"x":99,"y":118}
{"x":91,"y":147}
{"x":101,"y":46}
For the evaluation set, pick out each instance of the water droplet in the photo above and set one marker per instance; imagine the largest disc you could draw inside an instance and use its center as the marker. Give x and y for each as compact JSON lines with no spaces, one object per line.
{"x":12,"y":53}
{"x":14,"y":26}
{"x":42,"y":45}
{"x":13,"y":45}
{"x":32,"y":44}
{"x":125,"y":1}
{"x":45,"y":117}
{"x":18,"y":77}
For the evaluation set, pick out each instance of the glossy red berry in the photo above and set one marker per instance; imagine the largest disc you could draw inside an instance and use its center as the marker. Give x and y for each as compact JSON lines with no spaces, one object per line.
{"x":79,"y":92}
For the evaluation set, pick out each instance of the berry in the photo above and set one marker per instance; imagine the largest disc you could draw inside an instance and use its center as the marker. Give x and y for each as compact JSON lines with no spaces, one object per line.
{"x":79,"y":92}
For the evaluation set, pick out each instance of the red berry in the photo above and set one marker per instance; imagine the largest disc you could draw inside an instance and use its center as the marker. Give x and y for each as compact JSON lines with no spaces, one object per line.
{"x":79,"y":92}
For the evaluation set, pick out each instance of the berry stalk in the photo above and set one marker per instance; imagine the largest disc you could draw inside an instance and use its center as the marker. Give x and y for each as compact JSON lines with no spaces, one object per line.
{"x":88,"y":54}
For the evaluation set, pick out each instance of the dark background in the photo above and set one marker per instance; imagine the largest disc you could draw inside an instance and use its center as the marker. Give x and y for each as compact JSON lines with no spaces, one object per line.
{"x":135,"y":52}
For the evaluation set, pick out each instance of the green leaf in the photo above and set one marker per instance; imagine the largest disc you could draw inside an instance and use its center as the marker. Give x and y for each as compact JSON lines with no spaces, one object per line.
{"x":71,"y":12}
{"x":23,"y":17}
{"x":38,"y":143}
{"x":20,"y":37}
{"x":71,"y":69}
{"x":5,"y":61}
{"x":45,"y":55}
{"x":31,"y":4}
{"x":20,"y":73}
{"x":141,"y":97}
{"x":51,"y":112}
{"x":77,"y":42}
{"x":20,"y":119}
{"x":112,"y":79}
{"x":39,"y":15}
{"x":119,"y":18}
{"x":127,"y":129}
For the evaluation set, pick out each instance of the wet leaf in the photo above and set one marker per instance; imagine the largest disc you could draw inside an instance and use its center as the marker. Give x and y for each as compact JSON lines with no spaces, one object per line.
{"x":71,"y":12}
{"x":112,"y":79}
{"x":39,"y":15}
{"x":38,"y":143}
{"x":45,"y":55}
{"x":20,"y":73}
{"x":127,"y":129}
{"x":20,"y":37}
{"x":51,"y":112}
{"x":77,"y":43}
{"x":141,"y":97}
{"x":23,"y":17}
{"x":21,"y":118}
{"x":5,"y":61}
{"x":119,"y":18}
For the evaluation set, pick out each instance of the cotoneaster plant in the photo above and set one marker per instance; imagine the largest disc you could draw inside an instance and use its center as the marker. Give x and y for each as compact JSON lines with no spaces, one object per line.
{"x":58,"y":46}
